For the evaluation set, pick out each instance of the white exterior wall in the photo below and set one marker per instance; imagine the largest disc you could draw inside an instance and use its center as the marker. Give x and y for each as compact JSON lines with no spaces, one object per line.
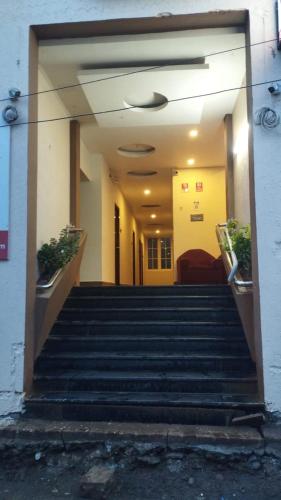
{"x":266,"y":65}
{"x":53,"y":207}
{"x":90,"y":218}
{"x":241,"y":160}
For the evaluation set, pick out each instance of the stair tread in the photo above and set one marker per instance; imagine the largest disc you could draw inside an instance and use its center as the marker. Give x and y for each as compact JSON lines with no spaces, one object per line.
{"x":159,"y":308}
{"x":139,"y":355}
{"x":165,"y":398}
{"x":146,"y":322}
{"x":147,"y":297}
{"x":188,"y":338}
{"x":145,"y":375}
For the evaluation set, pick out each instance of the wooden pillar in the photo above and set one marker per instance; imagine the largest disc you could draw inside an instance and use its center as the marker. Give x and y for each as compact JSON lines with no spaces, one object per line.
{"x":229,"y":165}
{"x":75,"y":173}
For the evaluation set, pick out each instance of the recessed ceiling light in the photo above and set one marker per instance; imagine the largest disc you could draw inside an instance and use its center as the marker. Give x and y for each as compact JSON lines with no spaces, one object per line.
{"x":193,"y":133}
{"x":190,"y":161}
{"x":153,"y":216}
{"x":147,"y":192}
{"x":157,"y":231}
{"x":141,"y":173}
{"x":136,"y":150}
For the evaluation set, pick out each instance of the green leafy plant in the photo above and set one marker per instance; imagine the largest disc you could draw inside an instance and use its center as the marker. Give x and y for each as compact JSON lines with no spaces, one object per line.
{"x":241,"y":243}
{"x":56,"y":254}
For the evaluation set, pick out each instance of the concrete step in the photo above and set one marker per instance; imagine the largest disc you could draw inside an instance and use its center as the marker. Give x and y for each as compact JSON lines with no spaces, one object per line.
{"x":176,"y":408}
{"x":148,"y":301}
{"x":107,"y":361}
{"x":152,"y":290}
{"x":147,"y":313}
{"x":166,"y":343}
{"x":176,"y":328}
{"x":146,"y":381}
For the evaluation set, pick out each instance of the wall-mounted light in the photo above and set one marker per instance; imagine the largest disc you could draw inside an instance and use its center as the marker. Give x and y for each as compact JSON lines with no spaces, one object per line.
{"x":157,"y":231}
{"x":147,"y":192}
{"x":153,"y":216}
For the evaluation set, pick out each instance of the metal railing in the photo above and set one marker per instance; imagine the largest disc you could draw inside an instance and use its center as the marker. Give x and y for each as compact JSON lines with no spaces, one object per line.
{"x":50,"y":283}
{"x":229,"y":256}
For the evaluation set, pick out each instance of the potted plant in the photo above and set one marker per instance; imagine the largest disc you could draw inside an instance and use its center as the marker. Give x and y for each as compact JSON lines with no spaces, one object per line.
{"x":54,"y":255}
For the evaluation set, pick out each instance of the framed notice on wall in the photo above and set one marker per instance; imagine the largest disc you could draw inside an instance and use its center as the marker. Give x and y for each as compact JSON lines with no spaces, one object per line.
{"x":4,"y":189}
{"x":199,"y":187}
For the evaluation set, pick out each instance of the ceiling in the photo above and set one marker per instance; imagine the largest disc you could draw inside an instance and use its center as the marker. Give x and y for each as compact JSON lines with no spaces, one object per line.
{"x":167,"y":128}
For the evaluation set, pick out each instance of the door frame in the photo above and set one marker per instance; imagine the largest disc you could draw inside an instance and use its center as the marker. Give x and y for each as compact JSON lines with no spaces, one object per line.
{"x":117,"y":243}
{"x":110,"y":27}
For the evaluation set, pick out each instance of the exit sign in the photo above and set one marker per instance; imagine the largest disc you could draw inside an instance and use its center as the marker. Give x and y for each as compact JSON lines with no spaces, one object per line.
{"x":4,"y":188}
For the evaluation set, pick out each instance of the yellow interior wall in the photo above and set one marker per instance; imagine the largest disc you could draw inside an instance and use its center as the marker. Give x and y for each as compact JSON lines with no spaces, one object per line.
{"x":212,"y":204}
{"x":111,"y":195}
{"x":98,"y":197}
{"x":157,"y":276}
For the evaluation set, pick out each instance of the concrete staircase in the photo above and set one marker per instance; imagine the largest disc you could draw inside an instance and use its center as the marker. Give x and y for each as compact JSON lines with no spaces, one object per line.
{"x":152,"y":354}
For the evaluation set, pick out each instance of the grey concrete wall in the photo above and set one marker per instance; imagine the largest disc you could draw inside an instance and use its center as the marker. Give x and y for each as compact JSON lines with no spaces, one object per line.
{"x":16,"y":18}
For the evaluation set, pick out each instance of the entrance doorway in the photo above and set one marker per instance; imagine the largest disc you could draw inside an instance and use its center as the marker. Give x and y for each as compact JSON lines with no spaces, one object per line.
{"x":117,"y":244}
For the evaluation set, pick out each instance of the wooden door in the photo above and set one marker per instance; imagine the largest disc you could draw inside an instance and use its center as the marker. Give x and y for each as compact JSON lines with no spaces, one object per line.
{"x":141,"y":262}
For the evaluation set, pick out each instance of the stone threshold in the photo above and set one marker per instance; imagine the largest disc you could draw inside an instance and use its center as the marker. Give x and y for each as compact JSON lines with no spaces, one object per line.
{"x":31,"y":431}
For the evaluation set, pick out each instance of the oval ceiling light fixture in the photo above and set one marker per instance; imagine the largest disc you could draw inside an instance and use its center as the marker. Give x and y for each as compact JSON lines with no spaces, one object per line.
{"x":136,"y":150}
{"x":147,"y":192}
{"x":146,"y":101}
{"x":150,"y":206}
{"x":142,"y":173}
{"x":153,"y":216}
{"x":157,"y":231}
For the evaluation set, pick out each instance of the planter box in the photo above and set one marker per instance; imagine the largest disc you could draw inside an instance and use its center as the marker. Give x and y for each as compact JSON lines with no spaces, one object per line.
{"x":49,"y":301}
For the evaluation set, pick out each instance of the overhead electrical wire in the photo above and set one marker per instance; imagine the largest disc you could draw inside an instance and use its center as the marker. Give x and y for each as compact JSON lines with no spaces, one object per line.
{"x":143,"y":70}
{"x":104,"y":112}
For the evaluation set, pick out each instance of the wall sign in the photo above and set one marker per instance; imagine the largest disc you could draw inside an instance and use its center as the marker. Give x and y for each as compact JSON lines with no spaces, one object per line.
{"x":4,"y":188}
{"x":197,"y":218}
{"x":184,"y":187}
{"x":199,"y":187}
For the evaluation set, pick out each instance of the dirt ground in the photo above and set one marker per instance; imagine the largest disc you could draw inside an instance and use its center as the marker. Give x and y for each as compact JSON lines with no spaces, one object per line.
{"x":176,"y":476}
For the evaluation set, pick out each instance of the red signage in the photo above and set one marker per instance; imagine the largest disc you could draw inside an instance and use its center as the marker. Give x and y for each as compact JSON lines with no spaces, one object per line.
{"x":184,"y":187}
{"x":4,"y":245}
{"x":199,"y":186}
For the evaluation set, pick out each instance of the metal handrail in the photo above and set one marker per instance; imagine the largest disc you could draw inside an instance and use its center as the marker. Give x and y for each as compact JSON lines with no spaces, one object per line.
{"x":51,"y":282}
{"x":230,"y":257}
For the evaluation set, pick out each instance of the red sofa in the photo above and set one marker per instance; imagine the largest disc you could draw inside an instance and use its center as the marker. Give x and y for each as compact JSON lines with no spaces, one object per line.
{"x":199,"y":267}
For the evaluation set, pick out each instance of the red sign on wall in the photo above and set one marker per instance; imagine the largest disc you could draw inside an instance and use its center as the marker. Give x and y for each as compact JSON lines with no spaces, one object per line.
{"x":4,"y":188}
{"x":199,"y":187}
{"x":4,"y":245}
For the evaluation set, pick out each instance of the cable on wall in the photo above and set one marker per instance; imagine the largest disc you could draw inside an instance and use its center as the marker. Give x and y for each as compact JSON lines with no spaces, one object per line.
{"x":143,"y":70}
{"x":267,"y":118}
{"x":107,"y":111}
